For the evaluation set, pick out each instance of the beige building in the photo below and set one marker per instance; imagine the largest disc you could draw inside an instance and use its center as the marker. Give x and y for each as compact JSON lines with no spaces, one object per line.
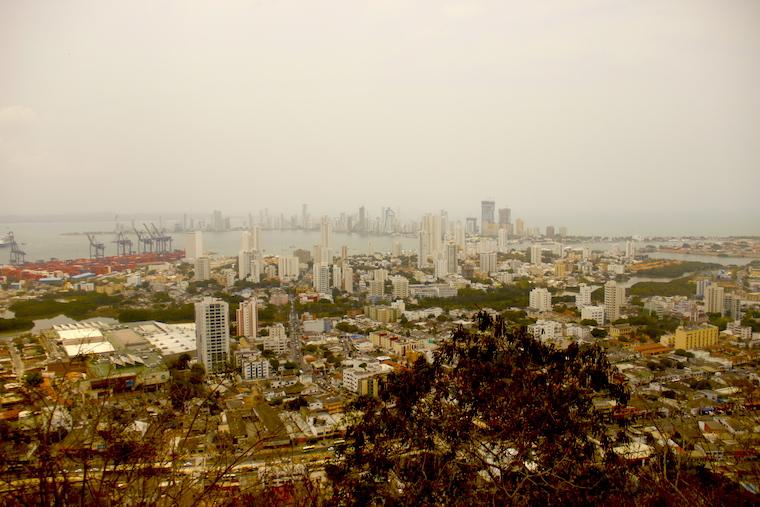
{"x":692,"y":337}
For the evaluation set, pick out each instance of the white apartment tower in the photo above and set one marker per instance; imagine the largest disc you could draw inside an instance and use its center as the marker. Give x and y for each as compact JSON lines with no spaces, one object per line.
{"x":288,"y":268}
{"x":244,"y":264}
{"x":400,"y":287}
{"x":614,"y":298}
{"x":321,"y":278}
{"x":212,"y":334}
{"x":325,"y":229}
{"x":488,"y":262}
{"x":193,"y":245}
{"x":540,"y":299}
{"x":584,"y":296}
{"x":247,"y":318}
{"x":535,"y":254}
{"x":714,"y":296}
{"x":202,"y":269}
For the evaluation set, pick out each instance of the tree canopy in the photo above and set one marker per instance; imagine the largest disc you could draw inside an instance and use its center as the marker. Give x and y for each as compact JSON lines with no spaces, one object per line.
{"x":497,"y":418}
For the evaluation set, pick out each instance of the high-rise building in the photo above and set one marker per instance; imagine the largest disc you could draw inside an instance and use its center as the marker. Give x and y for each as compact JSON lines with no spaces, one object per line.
{"x":502,"y":239}
{"x":614,"y":298}
{"x":459,"y":236}
{"x":396,"y":248}
{"x":325,"y":230}
{"x":550,"y":231}
{"x":630,"y":249}
{"x":376,"y":288}
{"x":337,"y":277}
{"x":535,"y":254}
{"x":592,"y":312}
{"x":701,"y":286}
{"x":288,"y":268}
{"x":563,"y":231}
{"x":304,"y":216}
{"x":584,"y":296}
{"x":247,"y":318}
{"x":244,"y":264}
{"x":344,"y":252}
{"x":256,"y":270}
{"x":212,"y":334}
{"x":193,"y":245}
{"x":471,"y":225}
{"x":217,"y":221}
{"x":732,"y":305}
{"x":540,"y":299}
{"x":487,"y":210}
{"x":423,"y":250}
{"x":505,"y":217}
{"x":519,"y":227}
{"x":348,"y":279}
{"x":714,"y":299}
{"x":451,"y":258}
{"x":321,"y":278}
{"x":362,"y":225}
{"x":400,"y":287}
{"x":202,"y":269}
{"x":488,"y":262}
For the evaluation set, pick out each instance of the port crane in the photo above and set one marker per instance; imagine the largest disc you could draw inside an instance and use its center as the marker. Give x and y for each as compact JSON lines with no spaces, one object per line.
{"x":99,"y":249}
{"x":163,"y":240}
{"x":144,"y":241}
{"x":123,"y":244}
{"x":17,"y":255}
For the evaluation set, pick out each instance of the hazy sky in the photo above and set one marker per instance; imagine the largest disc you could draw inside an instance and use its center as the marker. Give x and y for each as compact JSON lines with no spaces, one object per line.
{"x":595,"y":114}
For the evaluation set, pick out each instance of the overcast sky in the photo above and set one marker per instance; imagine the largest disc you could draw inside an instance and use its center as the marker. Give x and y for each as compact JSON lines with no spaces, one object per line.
{"x":588,"y":113}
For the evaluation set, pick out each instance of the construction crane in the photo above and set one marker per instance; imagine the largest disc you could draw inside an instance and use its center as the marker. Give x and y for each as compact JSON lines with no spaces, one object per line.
{"x":97,"y":250}
{"x":144,"y":242}
{"x":17,"y":255}
{"x":123,"y":244}
{"x":164,"y":240}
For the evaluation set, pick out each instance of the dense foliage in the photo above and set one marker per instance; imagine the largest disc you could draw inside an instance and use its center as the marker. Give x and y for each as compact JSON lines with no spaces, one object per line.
{"x":677,"y":287}
{"x":501,"y":419}
{"x":77,"y":305}
{"x":680,"y":269}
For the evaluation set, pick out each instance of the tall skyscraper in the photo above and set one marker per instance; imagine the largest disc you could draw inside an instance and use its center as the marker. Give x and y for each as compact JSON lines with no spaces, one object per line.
{"x":422,"y":249}
{"x":348,"y":279}
{"x":459,"y":236}
{"x":614,"y":298}
{"x":325,"y":229}
{"x":362,"y":225}
{"x":535,"y":254}
{"x":244,"y":264}
{"x":487,"y":210}
{"x":505,"y":217}
{"x":202,"y":269}
{"x":488,"y":262}
{"x":288,"y":268}
{"x":550,"y":231}
{"x":193,"y":245}
{"x":451,"y":258}
{"x":519,"y":227}
{"x":212,"y":334}
{"x":584,"y":296}
{"x":321,"y":278}
{"x":714,"y":299}
{"x":247,"y":318}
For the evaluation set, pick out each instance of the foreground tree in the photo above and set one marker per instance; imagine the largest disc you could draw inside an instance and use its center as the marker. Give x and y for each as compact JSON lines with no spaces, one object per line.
{"x":500,"y":418}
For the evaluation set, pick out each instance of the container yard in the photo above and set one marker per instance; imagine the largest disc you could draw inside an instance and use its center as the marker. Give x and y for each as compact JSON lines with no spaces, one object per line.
{"x":75,"y":267}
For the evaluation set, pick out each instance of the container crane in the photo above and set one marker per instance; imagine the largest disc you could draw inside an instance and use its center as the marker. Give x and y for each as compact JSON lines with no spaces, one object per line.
{"x":164,"y":240}
{"x":144,"y":242}
{"x":123,"y":244}
{"x":17,"y":255}
{"x":99,"y":249}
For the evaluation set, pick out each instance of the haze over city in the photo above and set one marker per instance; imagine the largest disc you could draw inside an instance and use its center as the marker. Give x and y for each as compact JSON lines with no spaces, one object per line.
{"x":606,"y":117}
